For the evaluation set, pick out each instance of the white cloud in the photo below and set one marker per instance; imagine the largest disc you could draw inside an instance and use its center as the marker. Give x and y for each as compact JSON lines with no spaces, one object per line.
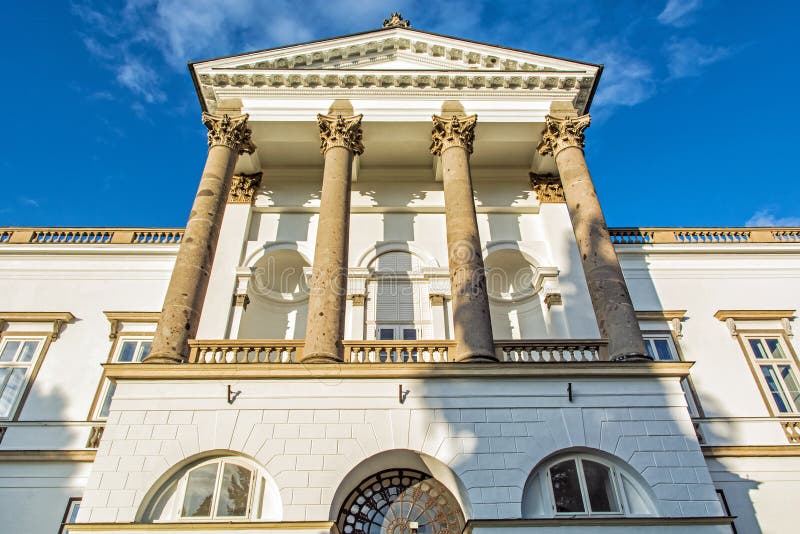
{"x":140,"y":79}
{"x":678,"y":12}
{"x":627,"y":79}
{"x":765,"y":217}
{"x":687,"y":57}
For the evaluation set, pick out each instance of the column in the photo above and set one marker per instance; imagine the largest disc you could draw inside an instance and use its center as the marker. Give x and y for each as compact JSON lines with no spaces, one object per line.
{"x":341,"y":140}
{"x":472,"y":327}
{"x":563,"y":139}
{"x":227,"y":138}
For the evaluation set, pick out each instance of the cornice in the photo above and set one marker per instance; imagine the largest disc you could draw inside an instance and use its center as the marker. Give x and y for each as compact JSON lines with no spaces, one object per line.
{"x":57,"y":320}
{"x":506,"y":370}
{"x":753,"y":315}
{"x":204,"y":526}
{"x":750,"y":451}
{"x":79,"y":455}
{"x":660,"y":315}
{"x":117,"y":318}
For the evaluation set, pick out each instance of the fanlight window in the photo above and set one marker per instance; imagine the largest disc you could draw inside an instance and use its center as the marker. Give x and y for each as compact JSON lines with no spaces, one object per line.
{"x":224,"y":489}
{"x":401,"y":501}
{"x":585,"y":485}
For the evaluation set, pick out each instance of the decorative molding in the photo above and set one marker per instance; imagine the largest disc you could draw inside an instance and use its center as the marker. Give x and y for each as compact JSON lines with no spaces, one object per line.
{"x":729,"y":317}
{"x":311,"y":526}
{"x":228,"y":131}
{"x":453,"y":132}
{"x":396,"y":20}
{"x":95,"y":435}
{"x":673,"y":317}
{"x":548,"y":188}
{"x":243,"y":187}
{"x":338,"y":130}
{"x":241,"y":300}
{"x":117,"y":318}
{"x":750,"y":451}
{"x":288,"y":371}
{"x":49,"y":455}
{"x":437,"y":299}
{"x":553,"y":299}
{"x":57,"y":318}
{"x":792,"y":430}
{"x":560,"y":133}
{"x":358,"y":299}
{"x":579,"y":522}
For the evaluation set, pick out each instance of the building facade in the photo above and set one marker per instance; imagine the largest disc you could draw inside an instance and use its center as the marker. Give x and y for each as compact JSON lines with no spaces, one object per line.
{"x":396,"y":307}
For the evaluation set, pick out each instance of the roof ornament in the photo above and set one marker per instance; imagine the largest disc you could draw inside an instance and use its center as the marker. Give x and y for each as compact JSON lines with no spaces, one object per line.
{"x":396,"y":20}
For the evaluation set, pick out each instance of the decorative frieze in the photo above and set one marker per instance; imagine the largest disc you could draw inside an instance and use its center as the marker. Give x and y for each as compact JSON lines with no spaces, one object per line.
{"x":338,"y":130}
{"x":228,"y":131}
{"x":548,"y":188}
{"x":561,"y":133}
{"x":453,"y":132}
{"x":243,"y":187}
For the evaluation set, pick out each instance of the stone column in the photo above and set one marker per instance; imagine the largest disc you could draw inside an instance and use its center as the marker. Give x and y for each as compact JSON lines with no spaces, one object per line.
{"x":472,"y":327}
{"x":563,"y":139}
{"x":227,"y":138}
{"x":341,"y":140}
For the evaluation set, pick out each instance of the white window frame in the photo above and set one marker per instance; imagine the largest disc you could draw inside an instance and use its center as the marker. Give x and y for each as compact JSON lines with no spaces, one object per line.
{"x":106,"y":383}
{"x":616,"y":486}
{"x":688,"y":391}
{"x":258,"y":492}
{"x":29,"y":367}
{"x":757,"y":363}
{"x":73,"y":505}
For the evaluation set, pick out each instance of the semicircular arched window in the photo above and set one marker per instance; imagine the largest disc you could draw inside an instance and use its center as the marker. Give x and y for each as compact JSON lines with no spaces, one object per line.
{"x":221,"y":489}
{"x":585,"y":485}
{"x":400,"y":501}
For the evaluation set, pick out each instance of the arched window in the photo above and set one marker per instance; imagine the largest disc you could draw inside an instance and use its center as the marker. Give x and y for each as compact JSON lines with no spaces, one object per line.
{"x":399,"y":501}
{"x":221,"y":489}
{"x":585,"y":485}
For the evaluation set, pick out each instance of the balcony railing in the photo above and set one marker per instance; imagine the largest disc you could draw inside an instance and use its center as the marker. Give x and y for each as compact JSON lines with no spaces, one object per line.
{"x":687,"y":236}
{"x":243,"y":351}
{"x":91,"y":236}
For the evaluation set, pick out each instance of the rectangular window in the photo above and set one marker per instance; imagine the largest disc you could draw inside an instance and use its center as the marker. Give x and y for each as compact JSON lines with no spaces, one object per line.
{"x":776,"y":371}
{"x":725,"y":508}
{"x":18,"y":356}
{"x":70,"y":515}
{"x":661,"y":348}
{"x":128,"y":350}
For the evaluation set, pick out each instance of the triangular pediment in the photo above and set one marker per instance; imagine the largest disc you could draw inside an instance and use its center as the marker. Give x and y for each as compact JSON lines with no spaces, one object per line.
{"x":400,"y":49}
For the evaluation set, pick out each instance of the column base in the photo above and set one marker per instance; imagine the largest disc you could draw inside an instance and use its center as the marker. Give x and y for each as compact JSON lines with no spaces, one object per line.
{"x":477,"y":357}
{"x":633,"y":357}
{"x":164,"y":357}
{"x":321,"y":357}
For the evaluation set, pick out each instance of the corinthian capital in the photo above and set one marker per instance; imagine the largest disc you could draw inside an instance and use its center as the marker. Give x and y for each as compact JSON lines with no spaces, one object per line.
{"x":228,"y":131}
{"x":336,"y":130}
{"x":561,"y":133}
{"x":243,"y":187}
{"x":455,"y":131}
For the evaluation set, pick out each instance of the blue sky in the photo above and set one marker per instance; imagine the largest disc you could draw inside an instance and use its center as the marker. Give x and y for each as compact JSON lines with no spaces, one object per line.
{"x":695,"y":121}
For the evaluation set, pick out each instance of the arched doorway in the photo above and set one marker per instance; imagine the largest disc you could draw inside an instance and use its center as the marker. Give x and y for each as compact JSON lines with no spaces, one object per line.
{"x":400,"y":501}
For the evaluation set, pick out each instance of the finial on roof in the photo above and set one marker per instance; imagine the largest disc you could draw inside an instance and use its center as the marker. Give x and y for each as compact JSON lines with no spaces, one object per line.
{"x":396,"y":20}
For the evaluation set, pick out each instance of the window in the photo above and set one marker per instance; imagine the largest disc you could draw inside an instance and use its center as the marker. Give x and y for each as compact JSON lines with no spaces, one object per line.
{"x":222,"y":489}
{"x":661,"y":347}
{"x":128,"y":350}
{"x":70,"y":514}
{"x":18,"y":357}
{"x":776,"y":371}
{"x":725,"y":508}
{"x":584,"y":485}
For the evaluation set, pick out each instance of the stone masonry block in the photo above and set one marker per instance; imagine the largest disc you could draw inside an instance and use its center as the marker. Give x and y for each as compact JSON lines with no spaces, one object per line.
{"x":164,"y":432}
{"x":121,"y":498}
{"x":356,"y":416}
{"x":156,"y":417}
{"x":299,"y":416}
{"x":275,"y":416}
{"x":132,"y":417}
{"x":148,"y":447}
{"x":326,"y":416}
{"x":298,"y":446}
{"x":473,"y":415}
{"x":287,"y":431}
{"x":179,"y":418}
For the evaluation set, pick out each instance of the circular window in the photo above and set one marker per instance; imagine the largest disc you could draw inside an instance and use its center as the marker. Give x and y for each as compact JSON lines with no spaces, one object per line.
{"x":401,"y":501}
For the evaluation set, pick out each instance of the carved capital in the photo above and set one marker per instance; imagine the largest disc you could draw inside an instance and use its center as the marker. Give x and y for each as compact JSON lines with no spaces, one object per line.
{"x":243,"y":187}
{"x":548,"y":188}
{"x":396,"y":20}
{"x":336,"y":130}
{"x":437,"y":299}
{"x":228,"y":131}
{"x":241,"y":300}
{"x":358,"y":299}
{"x":453,"y":132}
{"x":561,"y":133}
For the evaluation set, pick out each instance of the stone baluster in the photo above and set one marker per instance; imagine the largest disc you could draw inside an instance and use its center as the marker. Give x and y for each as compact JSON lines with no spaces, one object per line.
{"x":472,"y":329}
{"x":341,"y":140}
{"x":563,"y":138}
{"x":228,"y":137}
